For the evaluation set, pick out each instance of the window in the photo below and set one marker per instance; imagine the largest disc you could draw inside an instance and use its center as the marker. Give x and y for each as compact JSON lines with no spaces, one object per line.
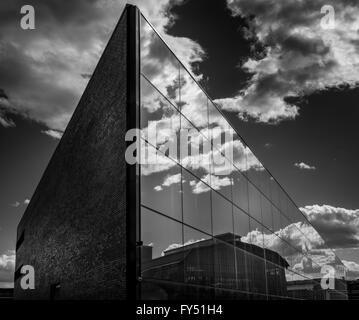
{"x":158,"y":63}
{"x":196,"y":203}
{"x":161,"y":185}
{"x":222,"y":218}
{"x":193,"y":101}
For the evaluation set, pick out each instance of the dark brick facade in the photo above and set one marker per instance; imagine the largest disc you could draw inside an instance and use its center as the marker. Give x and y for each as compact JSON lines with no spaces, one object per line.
{"x":75,"y":225}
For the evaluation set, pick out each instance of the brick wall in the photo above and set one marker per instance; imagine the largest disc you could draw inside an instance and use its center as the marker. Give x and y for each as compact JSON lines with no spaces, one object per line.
{"x":74,"y":227}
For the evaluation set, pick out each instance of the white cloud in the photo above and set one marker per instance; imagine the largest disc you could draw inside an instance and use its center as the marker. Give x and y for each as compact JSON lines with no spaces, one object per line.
{"x":44,"y":73}
{"x":168,"y":181}
{"x":338,"y":226}
{"x":176,"y":178}
{"x":26,"y":201}
{"x":301,"y":236}
{"x":154,"y":161}
{"x":53,"y":133}
{"x":7,"y":261}
{"x":351,"y":265}
{"x":199,"y":187}
{"x":304,"y":166}
{"x":7,"y":267}
{"x":178,"y":245}
{"x":300,"y":56}
{"x":15,"y":204}
{"x":215,"y":182}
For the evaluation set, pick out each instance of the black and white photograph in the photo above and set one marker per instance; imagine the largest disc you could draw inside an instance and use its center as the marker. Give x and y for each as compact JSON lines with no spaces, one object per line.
{"x":179,"y":150}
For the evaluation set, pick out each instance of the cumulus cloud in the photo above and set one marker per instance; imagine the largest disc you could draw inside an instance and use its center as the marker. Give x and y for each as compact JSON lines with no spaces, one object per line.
{"x":199,"y":187}
{"x":300,"y":58}
{"x":7,"y":266}
{"x":338,"y":226}
{"x":351,"y":265}
{"x":45,"y":71}
{"x":216,"y":182}
{"x":168,"y":181}
{"x":304,"y":166}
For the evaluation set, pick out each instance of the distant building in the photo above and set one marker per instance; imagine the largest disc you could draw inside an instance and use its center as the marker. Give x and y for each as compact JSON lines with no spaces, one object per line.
{"x":353,"y":289}
{"x":211,"y":261}
{"x":312,"y":290}
{"x":6,"y":294}
{"x":202,"y":224}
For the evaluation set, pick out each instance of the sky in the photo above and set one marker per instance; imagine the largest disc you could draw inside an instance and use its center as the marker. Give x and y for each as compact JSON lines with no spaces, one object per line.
{"x":289,"y":85}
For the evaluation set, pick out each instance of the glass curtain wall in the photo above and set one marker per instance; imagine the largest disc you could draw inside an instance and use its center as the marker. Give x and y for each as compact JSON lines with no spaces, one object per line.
{"x":212,"y":225}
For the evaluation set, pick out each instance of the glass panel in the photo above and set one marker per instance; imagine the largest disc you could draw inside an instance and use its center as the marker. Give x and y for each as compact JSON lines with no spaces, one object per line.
{"x":240,"y":190}
{"x":243,"y":248}
{"x":276,"y":220}
{"x":254,"y":202}
{"x":294,"y":214}
{"x":283,"y":200}
{"x":239,"y":153}
{"x":196,"y":203}
{"x":242,"y":267}
{"x":265,"y":183}
{"x":241,"y":226}
{"x":258,"y":283}
{"x":267,"y":217}
{"x":224,"y":268}
{"x":152,"y":234}
{"x":274,"y":190}
{"x":158,"y":63}
{"x":161,"y":256}
{"x":255,"y":238}
{"x":193,"y":102}
{"x":215,"y":119}
{"x":221,"y":178}
{"x":198,"y":264}
{"x":254,"y":168}
{"x":195,"y":151}
{"x":276,"y":280}
{"x":161,"y":185}
{"x":160,"y":121}
{"x":285,"y":223}
{"x":222,"y":218}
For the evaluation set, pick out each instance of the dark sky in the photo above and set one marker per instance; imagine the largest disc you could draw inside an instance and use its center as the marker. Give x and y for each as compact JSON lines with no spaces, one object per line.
{"x":324,"y":134}
{"x":21,"y":166}
{"x":318,"y":128}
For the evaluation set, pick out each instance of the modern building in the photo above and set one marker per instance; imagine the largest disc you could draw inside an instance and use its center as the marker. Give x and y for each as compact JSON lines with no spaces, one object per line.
{"x":193,"y":266}
{"x":192,"y":221}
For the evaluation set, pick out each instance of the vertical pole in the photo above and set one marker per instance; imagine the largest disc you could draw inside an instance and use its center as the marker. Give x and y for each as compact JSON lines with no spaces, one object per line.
{"x":132,"y":171}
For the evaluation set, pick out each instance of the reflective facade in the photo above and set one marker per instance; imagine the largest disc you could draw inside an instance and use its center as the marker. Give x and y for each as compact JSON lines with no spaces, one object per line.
{"x":215,"y":228}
